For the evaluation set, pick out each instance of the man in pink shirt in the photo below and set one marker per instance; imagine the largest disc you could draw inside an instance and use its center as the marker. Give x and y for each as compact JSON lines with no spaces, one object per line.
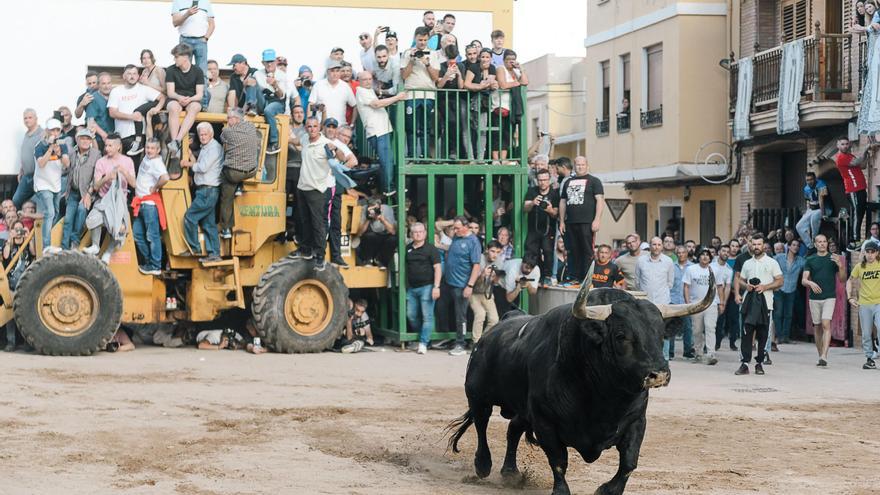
{"x":110,"y":210}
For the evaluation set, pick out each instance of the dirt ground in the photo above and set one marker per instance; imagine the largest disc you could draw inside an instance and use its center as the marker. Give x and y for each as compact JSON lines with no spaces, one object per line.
{"x":209,"y":422}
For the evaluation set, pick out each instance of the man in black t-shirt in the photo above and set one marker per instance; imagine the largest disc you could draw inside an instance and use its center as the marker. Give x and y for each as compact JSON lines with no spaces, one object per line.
{"x":541,"y":204}
{"x":423,"y":284}
{"x":580,"y":210}
{"x":606,"y":273}
{"x":185,"y":85}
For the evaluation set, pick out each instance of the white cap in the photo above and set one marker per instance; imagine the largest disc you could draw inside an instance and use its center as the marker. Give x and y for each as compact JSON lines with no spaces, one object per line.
{"x":53,"y":124}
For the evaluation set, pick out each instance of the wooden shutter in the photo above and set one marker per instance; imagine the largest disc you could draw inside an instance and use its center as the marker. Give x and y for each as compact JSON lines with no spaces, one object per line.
{"x":796,"y":15}
{"x":626,"y":76}
{"x":655,"y":77}
{"x":606,"y":89}
{"x":707,"y":220}
{"x":846,"y":16}
{"x":642,"y":219}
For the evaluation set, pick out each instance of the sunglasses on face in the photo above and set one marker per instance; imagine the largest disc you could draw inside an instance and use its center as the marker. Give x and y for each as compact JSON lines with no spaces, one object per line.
{"x":364,"y":36}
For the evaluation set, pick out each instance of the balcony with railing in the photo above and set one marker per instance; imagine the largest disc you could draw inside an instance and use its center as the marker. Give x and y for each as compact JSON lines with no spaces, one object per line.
{"x":651,"y":118}
{"x":826,"y":95}
{"x":601,"y":127}
{"x":623,"y":122}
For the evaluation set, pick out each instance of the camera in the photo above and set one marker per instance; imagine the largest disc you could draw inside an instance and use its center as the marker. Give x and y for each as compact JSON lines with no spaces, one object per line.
{"x":421,"y":53}
{"x":374,"y":211}
{"x":306,"y":82}
{"x":384,"y":29}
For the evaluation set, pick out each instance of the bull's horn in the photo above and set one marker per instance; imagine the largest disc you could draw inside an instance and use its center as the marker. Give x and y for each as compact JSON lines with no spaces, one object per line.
{"x":580,"y":310}
{"x":674,"y":310}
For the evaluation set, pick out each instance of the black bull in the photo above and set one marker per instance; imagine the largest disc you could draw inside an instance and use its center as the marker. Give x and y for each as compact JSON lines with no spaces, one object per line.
{"x":577,"y":376}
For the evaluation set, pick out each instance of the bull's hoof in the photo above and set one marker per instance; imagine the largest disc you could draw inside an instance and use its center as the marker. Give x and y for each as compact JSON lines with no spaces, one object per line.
{"x":608,"y":489}
{"x":512,"y":478}
{"x":509,"y":471}
{"x":483,"y":467}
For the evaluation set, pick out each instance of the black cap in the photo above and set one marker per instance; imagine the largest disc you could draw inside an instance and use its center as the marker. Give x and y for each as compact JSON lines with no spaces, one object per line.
{"x":871,"y":246}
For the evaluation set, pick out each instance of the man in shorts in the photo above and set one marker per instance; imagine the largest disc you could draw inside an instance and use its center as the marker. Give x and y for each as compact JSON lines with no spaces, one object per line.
{"x":820,"y":272}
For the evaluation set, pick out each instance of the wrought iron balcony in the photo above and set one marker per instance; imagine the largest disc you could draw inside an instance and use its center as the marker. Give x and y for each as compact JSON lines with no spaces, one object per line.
{"x":601,"y":127}
{"x":623,"y":122}
{"x":652,"y":118}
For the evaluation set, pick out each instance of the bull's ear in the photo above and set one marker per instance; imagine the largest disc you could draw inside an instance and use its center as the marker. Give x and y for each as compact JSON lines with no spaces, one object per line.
{"x":674,"y":326}
{"x":594,"y":330}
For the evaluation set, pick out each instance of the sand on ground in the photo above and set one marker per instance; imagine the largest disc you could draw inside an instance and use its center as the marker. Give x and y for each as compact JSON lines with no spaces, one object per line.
{"x":183,"y":421}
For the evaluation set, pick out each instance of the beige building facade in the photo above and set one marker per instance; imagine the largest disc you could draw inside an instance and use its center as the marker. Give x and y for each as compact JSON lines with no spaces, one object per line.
{"x":557,"y":102}
{"x":657,"y":115}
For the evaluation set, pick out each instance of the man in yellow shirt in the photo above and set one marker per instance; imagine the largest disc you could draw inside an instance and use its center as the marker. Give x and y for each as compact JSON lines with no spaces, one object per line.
{"x":867,"y":273}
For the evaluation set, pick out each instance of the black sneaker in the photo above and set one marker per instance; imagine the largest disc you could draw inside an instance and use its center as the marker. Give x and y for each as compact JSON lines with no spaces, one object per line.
{"x":822,"y":363}
{"x":733,"y":347}
{"x":272,"y":149}
{"x":774,"y":347}
{"x":338,"y":261}
{"x":742,"y":370}
{"x":299,"y":254}
{"x":320,"y":265}
{"x":135,"y":147}
{"x":759,"y":370}
{"x":717,"y":346}
{"x":869,"y":365}
{"x":226,"y":233}
{"x":767,"y":360}
{"x":689,"y":355}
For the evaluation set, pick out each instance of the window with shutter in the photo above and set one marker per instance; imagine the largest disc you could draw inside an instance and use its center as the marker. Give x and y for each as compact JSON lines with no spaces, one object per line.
{"x":655,"y":77}
{"x":606,"y":89}
{"x":796,"y":16}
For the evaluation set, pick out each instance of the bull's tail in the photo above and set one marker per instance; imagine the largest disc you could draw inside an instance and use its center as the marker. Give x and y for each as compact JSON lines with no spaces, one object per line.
{"x":460,"y":426}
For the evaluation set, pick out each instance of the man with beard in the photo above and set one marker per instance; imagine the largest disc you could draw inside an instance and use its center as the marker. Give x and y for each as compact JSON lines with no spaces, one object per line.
{"x":760,"y":276}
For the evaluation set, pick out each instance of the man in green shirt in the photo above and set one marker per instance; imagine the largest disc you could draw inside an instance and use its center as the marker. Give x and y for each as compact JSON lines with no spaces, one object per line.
{"x":820,"y":272}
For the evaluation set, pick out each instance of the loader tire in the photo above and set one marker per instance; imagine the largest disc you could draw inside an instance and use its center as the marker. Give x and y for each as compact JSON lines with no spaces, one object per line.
{"x":68,"y":304}
{"x":297,"y":309}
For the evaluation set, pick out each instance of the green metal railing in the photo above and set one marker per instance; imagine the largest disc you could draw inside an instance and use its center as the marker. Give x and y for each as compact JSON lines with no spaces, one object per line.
{"x":471,"y":131}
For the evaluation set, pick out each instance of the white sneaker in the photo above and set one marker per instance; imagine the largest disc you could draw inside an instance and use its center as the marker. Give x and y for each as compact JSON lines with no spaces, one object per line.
{"x":422,"y":348}
{"x":51,"y":250}
{"x":457,"y":351}
{"x":106,"y":257}
{"x":92,"y":250}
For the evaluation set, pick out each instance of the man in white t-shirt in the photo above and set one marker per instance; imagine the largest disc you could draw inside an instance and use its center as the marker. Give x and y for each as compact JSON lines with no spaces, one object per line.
{"x":377,"y":127}
{"x":331,"y":97}
{"x":695,"y":283}
{"x":766,"y":272}
{"x":272,"y":99}
{"x":146,"y":228}
{"x":420,"y":69}
{"x":133,"y":105}
{"x":52,"y":157}
{"x":521,"y":274}
{"x":194,"y":20}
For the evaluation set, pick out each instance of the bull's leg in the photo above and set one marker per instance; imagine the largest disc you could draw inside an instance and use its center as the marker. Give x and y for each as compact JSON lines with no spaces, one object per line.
{"x":514,"y":432}
{"x":628,"y":447}
{"x":482,"y":458}
{"x":557,"y":456}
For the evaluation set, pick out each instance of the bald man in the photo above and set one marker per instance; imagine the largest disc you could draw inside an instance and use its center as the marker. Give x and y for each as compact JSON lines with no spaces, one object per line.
{"x":377,"y":126}
{"x":580,"y":210}
{"x":28,"y":161}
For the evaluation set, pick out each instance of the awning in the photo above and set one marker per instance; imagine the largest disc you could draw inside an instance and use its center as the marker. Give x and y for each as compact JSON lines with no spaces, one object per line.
{"x":665,"y":173}
{"x":571,"y":138}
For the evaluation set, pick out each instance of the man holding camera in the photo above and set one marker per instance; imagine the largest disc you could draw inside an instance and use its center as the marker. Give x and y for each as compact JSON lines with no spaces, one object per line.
{"x":420,"y":71}
{"x":331,"y":97}
{"x":52,"y":158}
{"x":481,"y":302}
{"x":378,"y":233}
{"x":521,"y":275}
{"x":541,"y":204}
{"x":302,"y":85}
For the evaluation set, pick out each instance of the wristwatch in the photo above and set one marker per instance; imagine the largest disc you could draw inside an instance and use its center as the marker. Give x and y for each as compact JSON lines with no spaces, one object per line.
{"x":470,"y":286}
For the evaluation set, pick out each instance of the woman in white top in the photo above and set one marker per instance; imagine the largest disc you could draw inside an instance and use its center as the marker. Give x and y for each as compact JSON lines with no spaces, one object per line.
{"x":510,"y":76}
{"x":151,"y":75}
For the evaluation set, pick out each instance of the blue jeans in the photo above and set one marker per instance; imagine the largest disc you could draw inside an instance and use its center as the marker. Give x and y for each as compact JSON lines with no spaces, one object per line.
{"x":202,"y":212}
{"x":420,"y":311}
{"x":74,"y":219}
{"x":200,"y":52}
{"x":419,"y":126}
{"x":46,"y":201}
{"x":869,"y":315}
{"x":808,"y":226}
{"x":24,"y":191}
{"x":148,"y":236}
{"x":382,"y":145}
{"x":270,"y":110}
{"x":783,"y":307}
{"x":687,"y":340}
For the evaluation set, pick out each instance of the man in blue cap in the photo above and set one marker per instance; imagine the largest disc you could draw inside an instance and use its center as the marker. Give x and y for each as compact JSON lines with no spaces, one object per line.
{"x":272,"y":98}
{"x":303,"y":84}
